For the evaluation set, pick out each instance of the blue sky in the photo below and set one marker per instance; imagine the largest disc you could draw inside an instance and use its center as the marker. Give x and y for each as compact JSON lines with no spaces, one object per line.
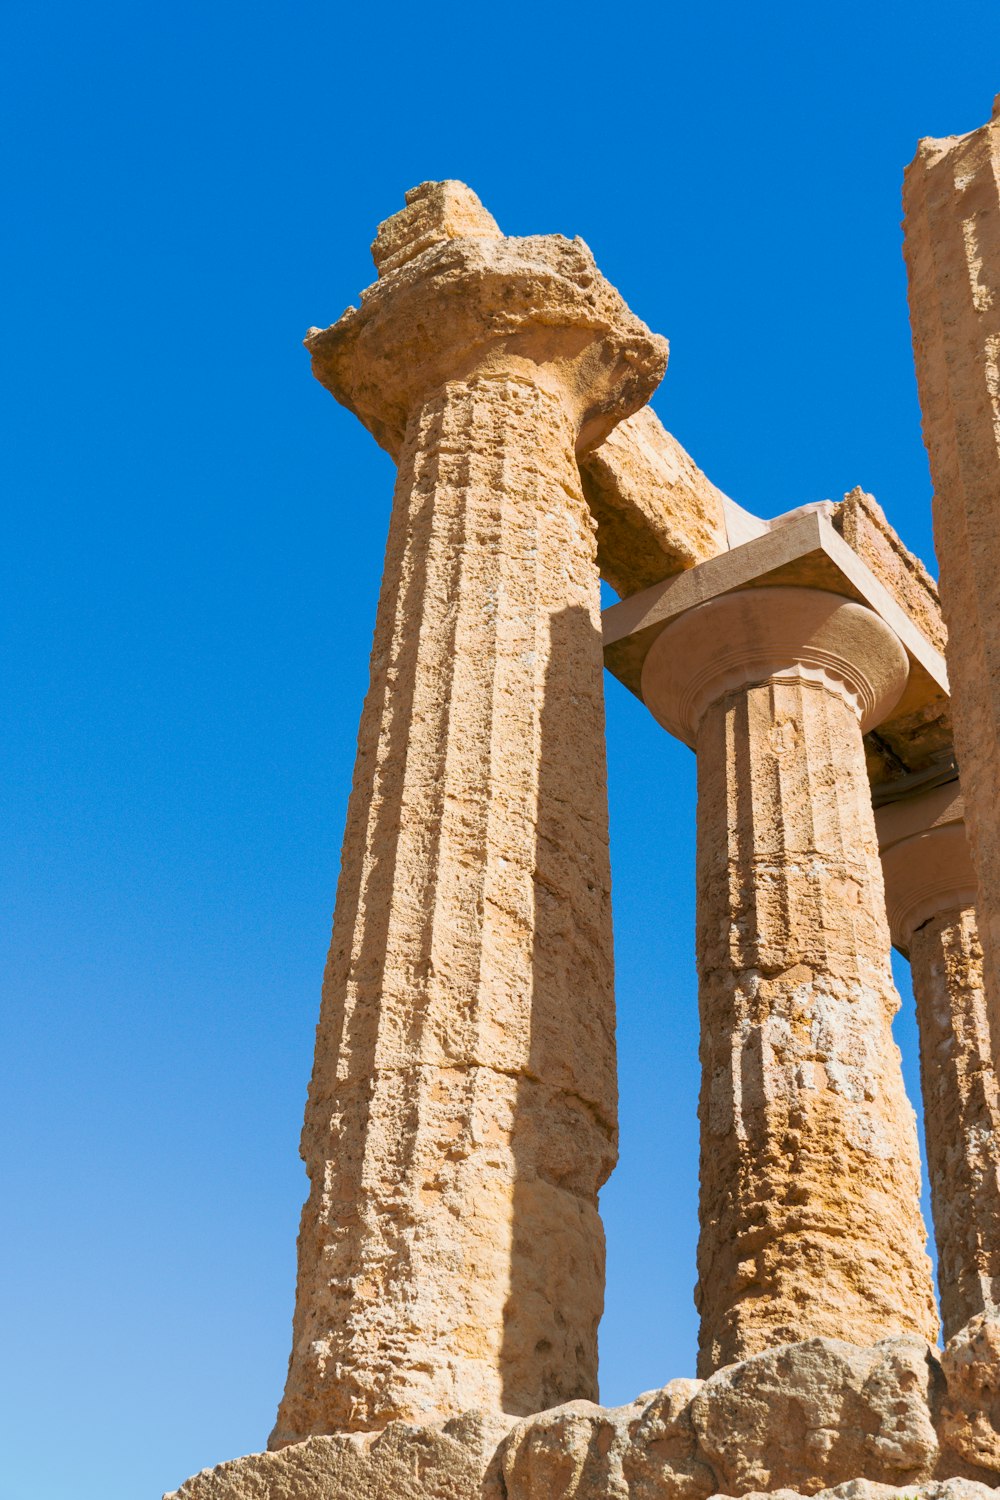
{"x":192,"y":547}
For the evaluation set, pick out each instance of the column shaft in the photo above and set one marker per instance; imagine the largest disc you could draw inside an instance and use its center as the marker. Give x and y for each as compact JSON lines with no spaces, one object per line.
{"x":461,"y":1115}
{"x":809,"y":1168}
{"x":952,"y":247}
{"x":961,"y":1113}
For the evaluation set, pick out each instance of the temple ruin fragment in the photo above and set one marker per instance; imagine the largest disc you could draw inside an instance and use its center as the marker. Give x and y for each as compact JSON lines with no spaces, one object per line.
{"x":461,"y":1116}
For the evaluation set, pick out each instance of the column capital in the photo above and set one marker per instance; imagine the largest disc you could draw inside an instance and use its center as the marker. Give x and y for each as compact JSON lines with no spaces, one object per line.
{"x":455,"y":299}
{"x":926,"y":859}
{"x":758,"y":635}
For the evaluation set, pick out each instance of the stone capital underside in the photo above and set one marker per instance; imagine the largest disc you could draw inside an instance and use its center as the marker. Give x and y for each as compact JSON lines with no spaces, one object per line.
{"x":766,"y":634}
{"x":927,"y":874}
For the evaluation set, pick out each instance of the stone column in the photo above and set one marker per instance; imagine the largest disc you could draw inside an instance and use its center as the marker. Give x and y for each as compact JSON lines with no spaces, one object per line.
{"x":931,"y":898}
{"x":462,"y":1110}
{"x":810,"y":1177}
{"x":952,"y":246}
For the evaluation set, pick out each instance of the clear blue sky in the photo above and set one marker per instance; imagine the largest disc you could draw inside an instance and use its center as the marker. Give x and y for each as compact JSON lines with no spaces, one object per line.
{"x":191,"y":553}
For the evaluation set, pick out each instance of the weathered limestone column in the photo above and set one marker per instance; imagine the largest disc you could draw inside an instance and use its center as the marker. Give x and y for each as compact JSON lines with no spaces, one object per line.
{"x":462,"y":1111}
{"x":952,"y":199}
{"x":931,"y":898}
{"x":810,"y":1179}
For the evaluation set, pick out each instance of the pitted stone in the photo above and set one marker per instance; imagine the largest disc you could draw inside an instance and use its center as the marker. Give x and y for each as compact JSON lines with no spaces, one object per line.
{"x":970,"y":1415}
{"x":810,"y":1214}
{"x":869,"y":1489}
{"x":814,"y":1413}
{"x":434,"y":211}
{"x":462,"y":1111}
{"x":951,"y":195}
{"x":443,"y":1462}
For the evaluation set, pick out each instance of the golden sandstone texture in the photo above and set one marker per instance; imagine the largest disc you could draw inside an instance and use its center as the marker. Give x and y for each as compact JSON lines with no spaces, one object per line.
{"x":462,"y":1111}
{"x":656,"y":512}
{"x":810,"y":1176}
{"x":952,"y":246}
{"x":930,"y":890}
{"x":803,"y":1418}
{"x":962,"y":1112}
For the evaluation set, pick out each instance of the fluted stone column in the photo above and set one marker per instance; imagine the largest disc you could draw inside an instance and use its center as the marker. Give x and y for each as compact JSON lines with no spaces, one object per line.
{"x":931,"y":899}
{"x":462,"y":1111}
{"x":951,"y":194}
{"x":810,"y":1179}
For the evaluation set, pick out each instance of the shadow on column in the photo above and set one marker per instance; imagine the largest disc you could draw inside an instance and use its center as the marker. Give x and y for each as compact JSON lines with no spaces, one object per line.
{"x":565,"y":1132}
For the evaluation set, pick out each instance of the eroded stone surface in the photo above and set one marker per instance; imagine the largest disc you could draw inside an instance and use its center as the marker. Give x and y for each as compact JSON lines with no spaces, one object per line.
{"x":810,"y":1214}
{"x":869,"y":1489}
{"x":635,"y":1452}
{"x":862,"y":523}
{"x":434,"y":211}
{"x":537,"y":307}
{"x":663,"y":1455}
{"x":803,"y":1417}
{"x":962,"y":1126}
{"x":952,"y":246}
{"x":915,"y":737}
{"x":970,"y":1414}
{"x":656,"y":512}
{"x":817,"y":1416}
{"x":462,"y":1110}
{"x":817,"y":1412}
{"x":443,"y":1462}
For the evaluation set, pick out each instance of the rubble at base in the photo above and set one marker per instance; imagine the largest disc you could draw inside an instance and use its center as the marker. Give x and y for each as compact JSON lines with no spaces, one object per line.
{"x":820,"y":1417}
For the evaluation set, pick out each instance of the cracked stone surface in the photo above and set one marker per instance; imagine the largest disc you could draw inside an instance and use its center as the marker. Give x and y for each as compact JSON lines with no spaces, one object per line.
{"x":801,"y":1417}
{"x":961,"y":1115}
{"x":446,"y":1461}
{"x":868,"y":1489}
{"x":462,"y":1110}
{"x":970,"y":1416}
{"x":656,"y":512}
{"x":816,"y":1417}
{"x":951,"y":195}
{"x":810,"y":1172}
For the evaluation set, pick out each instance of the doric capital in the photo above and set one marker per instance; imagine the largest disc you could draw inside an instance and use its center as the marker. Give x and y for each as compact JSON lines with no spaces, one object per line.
{"x":770,"y":634}
{"x":454,"y":298}
{"x":925,"y":859}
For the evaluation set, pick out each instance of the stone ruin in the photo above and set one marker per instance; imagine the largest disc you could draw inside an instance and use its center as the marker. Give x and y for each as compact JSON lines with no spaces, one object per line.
{"x":461,"y":1115}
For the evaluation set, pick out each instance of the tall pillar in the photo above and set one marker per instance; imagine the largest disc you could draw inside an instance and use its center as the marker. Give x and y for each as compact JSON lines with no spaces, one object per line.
{"x":462,"y":1110}
{"x":810,"y":1178}
{"x":952,"y":246}
{"x":931,"y":899}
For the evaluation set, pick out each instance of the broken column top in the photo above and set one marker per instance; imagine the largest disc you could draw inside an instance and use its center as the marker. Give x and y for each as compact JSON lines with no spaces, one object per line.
{"x":931,"y":147}
{"x":434,"y":211}
{"x":456,"y":298}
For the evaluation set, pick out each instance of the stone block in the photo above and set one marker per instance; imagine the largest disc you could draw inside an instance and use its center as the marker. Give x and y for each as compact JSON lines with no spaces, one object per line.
{"x":403,"y":1462}
{"x":869,"y":1489}
{"x":820,"y":1418}
{"x":818,"y":1413}
{"x":970,"y":1412}
{"x":862,"y":523}
{"x":656,"y":512}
